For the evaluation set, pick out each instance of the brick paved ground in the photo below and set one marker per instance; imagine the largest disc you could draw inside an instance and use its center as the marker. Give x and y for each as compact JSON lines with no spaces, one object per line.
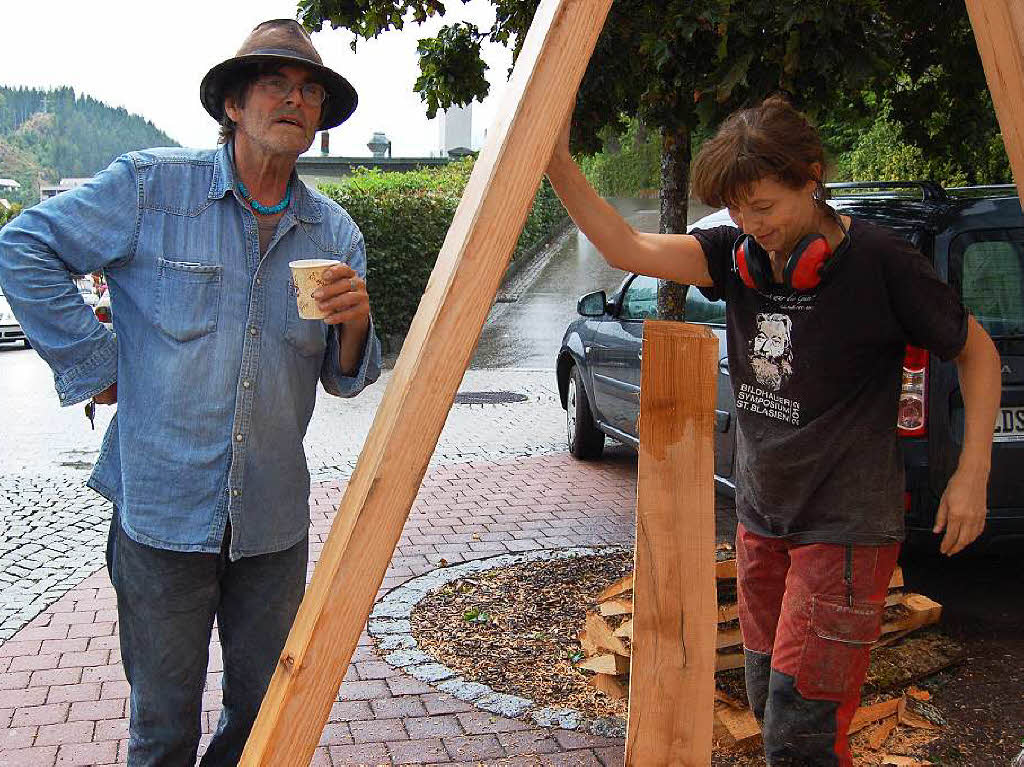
{"x":63,"y":696}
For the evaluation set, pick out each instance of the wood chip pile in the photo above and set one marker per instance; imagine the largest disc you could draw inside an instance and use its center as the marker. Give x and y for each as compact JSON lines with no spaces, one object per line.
{"x":608,"y":633}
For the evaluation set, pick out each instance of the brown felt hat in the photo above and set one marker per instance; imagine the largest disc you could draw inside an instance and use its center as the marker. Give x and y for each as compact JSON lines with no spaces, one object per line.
{"x":280,"y":41}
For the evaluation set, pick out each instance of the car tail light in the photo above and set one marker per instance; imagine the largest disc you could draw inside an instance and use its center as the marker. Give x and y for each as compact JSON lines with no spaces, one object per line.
{"x":103,"y":313}
{"x":912,"y":419}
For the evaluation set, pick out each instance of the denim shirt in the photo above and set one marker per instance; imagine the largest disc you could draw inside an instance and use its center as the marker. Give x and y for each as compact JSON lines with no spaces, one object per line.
{"x":216,"y":373}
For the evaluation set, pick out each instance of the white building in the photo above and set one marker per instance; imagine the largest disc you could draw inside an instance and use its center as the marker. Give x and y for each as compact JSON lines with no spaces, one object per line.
{"x":8,"y":185}
{"x":46,"y":192}
{"x":456,"y":126}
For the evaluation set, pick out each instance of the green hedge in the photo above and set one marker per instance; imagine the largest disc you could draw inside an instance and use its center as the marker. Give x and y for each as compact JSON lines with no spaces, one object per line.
{"x":630,"y":167}
{"x":404,"y":218}
{"x":882,"y":153}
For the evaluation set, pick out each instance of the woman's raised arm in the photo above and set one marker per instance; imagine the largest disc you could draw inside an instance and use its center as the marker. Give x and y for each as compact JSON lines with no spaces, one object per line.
{"x":676,"y":257}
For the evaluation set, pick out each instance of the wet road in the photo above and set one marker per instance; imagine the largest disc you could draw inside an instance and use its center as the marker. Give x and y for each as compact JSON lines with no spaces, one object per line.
{"x":528,"y":333}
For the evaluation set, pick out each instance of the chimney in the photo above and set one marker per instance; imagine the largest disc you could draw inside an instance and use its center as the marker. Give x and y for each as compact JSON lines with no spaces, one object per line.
{"x":325,"y":142}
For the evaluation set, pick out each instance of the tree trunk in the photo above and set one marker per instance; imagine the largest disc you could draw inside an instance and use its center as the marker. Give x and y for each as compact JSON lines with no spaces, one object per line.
{"x":675,"y":192}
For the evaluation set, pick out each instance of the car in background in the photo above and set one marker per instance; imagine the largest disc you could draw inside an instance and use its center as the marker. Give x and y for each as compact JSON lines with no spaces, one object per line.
{"x":87,"y":290}
{"x":10,"y":328}
{"x":103,"y":311}
{"x":975,"y":239}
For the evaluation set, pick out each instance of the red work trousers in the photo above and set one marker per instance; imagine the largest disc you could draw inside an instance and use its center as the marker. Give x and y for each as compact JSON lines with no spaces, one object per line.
{"x":808,"y":614}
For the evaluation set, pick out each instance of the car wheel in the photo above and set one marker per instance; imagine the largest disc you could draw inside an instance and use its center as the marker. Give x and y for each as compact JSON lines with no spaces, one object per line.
{"x":585,"y":440}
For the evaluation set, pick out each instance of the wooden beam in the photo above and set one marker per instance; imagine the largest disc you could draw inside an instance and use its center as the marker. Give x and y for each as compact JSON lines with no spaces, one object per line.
{"x":426,"y":377}
{"x":672,"y":686}
{"x":999,"y":31}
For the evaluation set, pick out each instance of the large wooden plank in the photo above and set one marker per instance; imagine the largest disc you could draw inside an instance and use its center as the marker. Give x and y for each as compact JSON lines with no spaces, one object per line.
{"x":412,"y":412}
{"x":999,"y":31}
{"x":672,"y":686}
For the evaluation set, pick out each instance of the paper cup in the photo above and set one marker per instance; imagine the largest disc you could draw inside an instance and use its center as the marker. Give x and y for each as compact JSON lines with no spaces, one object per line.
{"x":308,"y":275}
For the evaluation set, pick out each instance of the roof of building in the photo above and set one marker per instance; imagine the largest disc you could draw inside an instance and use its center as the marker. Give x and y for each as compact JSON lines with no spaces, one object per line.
{"x":9,"y":182}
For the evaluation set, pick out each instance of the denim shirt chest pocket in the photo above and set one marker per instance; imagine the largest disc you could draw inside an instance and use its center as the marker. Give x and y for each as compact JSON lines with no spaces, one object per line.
{"x":188,"y":296}
{"x":307,"y":337}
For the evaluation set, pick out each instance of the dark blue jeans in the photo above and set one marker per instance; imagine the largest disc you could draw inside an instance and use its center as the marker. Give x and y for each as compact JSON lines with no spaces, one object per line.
{"x":166,"y":605}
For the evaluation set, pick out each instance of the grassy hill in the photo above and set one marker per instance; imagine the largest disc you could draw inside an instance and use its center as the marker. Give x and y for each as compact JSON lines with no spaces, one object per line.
{"x":57,"y":134}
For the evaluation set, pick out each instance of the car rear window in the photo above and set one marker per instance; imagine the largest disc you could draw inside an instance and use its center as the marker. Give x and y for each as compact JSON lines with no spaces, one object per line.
{"x":989,"y":267}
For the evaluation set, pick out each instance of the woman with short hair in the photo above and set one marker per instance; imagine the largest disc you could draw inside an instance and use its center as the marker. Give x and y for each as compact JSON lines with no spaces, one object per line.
{"x":820,"y":307}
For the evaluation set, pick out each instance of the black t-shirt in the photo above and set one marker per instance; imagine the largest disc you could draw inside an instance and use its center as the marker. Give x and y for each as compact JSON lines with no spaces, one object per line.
{"x":817,"y":378}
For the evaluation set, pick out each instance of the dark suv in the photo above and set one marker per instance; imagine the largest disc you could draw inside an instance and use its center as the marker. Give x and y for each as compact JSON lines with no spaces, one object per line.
{"x":974,"y":237}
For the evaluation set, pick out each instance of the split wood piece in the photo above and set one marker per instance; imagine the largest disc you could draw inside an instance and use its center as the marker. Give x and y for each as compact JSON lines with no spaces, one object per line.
{"x":599,"y":636}
{"x":609,"y":685}
{"x":437,"y":349}
{"x":999,"y":33}
{"x":625,"y":631}
{"x":609,"y":663}
{"x":672,"y":684}
{"x":881,"y":733}
{"x":621,"y":586}
{"x":906,"y":715}
{"x":896,"y":582}
{"x":923,"y":612}
{"x":614,"y":607}
{"x":728,"y":638}
{"x":725,"y":570}
{"x":728,"y":613}
{"x":866,"y":715}
{"x":728,"y":700}
{"x":896,"y":760}
{"x":726,"y":661}
{"x":741,"y":724}
{"x":589,"y":648}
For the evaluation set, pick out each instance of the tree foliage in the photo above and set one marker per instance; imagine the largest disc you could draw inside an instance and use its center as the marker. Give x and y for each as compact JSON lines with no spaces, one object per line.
{"x":6,"y":214}
{"x":677,"y":64}
{"x":938,"y":92}
{"x":404,"y":218}
{"x":58,"y":134}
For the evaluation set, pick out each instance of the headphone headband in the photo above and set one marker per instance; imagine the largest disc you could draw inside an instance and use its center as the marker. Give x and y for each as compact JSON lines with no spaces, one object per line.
{"x":806,"y":268}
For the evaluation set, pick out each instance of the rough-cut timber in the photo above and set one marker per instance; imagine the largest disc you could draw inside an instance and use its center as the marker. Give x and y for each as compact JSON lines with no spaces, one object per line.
{"x":672,"y":686}
{"x":412,"y":412}
{"x":999,"y":32}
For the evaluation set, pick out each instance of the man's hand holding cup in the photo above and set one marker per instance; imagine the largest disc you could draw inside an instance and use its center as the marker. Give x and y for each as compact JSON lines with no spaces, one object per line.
{"x":343,"y":297}
{"x":330,"y":291}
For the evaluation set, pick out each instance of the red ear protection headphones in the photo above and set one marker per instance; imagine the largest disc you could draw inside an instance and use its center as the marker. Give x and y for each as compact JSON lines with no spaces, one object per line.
{"x":806,"y":268}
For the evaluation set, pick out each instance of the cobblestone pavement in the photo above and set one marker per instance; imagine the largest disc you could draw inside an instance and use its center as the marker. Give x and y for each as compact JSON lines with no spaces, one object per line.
{"x":55,"y":528}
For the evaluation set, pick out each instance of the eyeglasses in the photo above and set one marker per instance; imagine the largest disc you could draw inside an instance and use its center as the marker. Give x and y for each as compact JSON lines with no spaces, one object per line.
{"x":281,"y":87}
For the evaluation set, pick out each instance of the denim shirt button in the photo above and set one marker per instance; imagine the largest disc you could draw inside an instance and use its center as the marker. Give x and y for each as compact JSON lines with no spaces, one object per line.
{"x":238,"y":438}
{"x":236,"y":492}
{"x":246,"y":383}
{"x":252,"y":330}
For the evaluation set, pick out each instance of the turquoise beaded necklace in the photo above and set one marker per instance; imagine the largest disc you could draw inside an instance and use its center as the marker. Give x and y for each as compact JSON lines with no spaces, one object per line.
{"x":266,"y":210}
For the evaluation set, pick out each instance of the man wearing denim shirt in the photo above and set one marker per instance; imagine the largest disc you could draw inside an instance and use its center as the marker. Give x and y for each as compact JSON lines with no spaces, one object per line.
{"x":214,"y":374}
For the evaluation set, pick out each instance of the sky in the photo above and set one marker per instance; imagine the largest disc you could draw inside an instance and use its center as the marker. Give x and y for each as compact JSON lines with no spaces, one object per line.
{"x":150,"y":57}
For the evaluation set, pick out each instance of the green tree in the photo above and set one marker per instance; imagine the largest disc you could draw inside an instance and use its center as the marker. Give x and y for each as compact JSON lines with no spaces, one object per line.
{"x":6,"y":214}
{"x":57,"y":134}
{"x":678,"y":65}
{"x":938,"y":91}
